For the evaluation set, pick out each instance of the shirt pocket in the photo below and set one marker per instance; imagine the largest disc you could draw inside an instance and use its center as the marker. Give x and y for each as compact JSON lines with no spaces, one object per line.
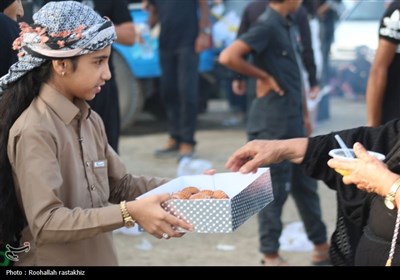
{"x":100,"y":174}
{"x":283,"y":51}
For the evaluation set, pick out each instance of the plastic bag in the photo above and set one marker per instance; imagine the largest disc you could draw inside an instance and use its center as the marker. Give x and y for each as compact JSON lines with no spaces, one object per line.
{"x":191,"y":166}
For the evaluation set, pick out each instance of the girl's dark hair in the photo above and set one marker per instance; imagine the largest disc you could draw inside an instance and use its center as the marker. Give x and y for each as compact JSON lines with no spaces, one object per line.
{"x":15,"y":99}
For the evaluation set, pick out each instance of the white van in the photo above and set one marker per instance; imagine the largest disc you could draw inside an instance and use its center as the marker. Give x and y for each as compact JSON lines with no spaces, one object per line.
{"x":358,"y":27}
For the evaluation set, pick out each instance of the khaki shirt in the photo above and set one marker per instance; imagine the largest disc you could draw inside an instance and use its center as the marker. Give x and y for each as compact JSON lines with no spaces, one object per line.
{"x":68,"y":181}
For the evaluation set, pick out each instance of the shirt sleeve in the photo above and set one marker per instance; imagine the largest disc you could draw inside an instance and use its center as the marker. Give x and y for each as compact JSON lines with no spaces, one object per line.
{"x":307,"y":52}
{"x":245,"y":22}
{"x":383,"y":139}
{"x":119,"y":12}
{"x":8,"y":33}
{"x":125,"y":186}
{"x":257,"y":37}
{"x":389,"y":28}
{"x":41,"y":191}
{"x":39,"y":179}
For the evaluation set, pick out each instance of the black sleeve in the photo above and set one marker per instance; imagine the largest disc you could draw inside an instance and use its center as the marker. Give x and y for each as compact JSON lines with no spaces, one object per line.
{"x":245,"y":22}
{"x":383,"y":139}
{"x":251,"y":14}
{"x":386,"y":32}
{"x":116,"y":10}
{"x":307,"y":53}
{"x":121,"y":12}
{"x":249,"y":17}
{"x":353,"y":204}
{"x":8,"y":33}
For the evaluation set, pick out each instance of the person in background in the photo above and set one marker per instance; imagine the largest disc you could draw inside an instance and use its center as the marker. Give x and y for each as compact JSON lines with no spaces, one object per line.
{"x":66,"y":188}
{"x":328,"y":13}
{"x":12,"y":8}
{"x":279,"y":112}
{"x":249,"y":17}
{"x":107,"y":104}
{"x":221,"y":16}
{"x":383,"y":87}
{"x":10,"y":11}
{"x":368,"y":197}
{"x":185,"y":32}
{"x":311,"y":8}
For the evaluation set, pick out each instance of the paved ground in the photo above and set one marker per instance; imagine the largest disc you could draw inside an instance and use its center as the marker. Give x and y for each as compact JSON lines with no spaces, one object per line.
{"x":215,"y":143}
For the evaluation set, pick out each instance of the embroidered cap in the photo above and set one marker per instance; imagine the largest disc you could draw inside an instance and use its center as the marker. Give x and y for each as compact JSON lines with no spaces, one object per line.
{"x":60,"y":30}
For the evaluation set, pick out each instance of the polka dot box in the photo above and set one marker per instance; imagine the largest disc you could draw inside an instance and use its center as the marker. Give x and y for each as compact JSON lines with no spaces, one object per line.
{"x":248,"y":194}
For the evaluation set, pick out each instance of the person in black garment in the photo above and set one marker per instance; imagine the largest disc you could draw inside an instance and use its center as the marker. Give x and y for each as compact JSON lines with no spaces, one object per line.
{"x":368,"y":197}
{"x":185,"y":32}
{"x":10,"y":11}
{"x":383,"y":89}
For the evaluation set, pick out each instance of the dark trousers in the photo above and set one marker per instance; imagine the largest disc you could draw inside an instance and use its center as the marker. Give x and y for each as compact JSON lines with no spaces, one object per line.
{"x":327,"y":30}
{"x":106,"y":104}
{"x":180,"y":92}
{"x":290,"y":178}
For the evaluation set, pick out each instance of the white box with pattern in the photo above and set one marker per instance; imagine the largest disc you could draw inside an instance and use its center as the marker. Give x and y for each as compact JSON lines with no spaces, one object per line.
{"x":248,"y":194}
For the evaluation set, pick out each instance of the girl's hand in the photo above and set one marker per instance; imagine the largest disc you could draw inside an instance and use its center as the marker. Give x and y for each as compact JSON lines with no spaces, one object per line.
{"x":149,"y":214}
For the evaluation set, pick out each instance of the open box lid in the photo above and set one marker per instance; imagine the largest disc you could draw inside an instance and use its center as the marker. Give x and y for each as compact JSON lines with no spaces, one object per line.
{"x":231,"y":183}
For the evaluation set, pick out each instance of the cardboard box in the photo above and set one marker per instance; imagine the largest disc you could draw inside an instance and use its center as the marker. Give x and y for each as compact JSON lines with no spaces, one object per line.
{"x":248,"y":194}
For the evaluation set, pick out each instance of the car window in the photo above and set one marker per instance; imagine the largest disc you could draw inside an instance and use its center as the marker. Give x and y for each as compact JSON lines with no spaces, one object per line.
{"x":367,"y":10}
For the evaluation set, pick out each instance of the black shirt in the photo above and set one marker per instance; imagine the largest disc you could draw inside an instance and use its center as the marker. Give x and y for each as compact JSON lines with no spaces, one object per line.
{"x":8,"y":33}
{"x":272,"y":41}
{"x":115,"y":10}
{"x":179,"y":23}
{"x":252,"y":12}
{"x":354,"y":205}
{"x":389,"y":30}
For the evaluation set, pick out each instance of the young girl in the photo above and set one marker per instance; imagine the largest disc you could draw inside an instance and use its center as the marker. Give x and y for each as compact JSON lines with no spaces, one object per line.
{"x":63,"y":188}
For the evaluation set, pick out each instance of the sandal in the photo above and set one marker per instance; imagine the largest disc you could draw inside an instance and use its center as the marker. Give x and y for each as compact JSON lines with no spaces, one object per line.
{"x":277,"y":261}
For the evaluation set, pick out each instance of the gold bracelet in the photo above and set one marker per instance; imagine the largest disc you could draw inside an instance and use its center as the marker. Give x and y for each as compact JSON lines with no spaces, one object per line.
{"x":128,"y":220}
{"x":391,"y":195}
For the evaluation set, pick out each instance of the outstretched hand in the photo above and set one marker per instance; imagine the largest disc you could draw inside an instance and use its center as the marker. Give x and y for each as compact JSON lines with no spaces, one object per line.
{"x":209,"y":172}
{"x":258,"y":153}
{"x":251,"y":156}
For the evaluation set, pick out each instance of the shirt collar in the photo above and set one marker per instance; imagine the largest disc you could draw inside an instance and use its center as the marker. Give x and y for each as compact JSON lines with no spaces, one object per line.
{"x":62,"y":106}
{"x":285,"y":21}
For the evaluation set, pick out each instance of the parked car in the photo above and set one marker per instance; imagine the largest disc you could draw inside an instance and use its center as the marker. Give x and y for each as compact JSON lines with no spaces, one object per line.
{"x":358,"y":26}
{"x":354,"y":46}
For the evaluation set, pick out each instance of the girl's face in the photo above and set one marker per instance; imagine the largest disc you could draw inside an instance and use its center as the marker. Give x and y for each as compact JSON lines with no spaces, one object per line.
{"x":15,"y":10}
{"x":90,"y":74}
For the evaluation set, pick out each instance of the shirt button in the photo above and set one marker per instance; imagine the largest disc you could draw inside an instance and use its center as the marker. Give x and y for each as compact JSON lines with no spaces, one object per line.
{"x":284,"y":53}
{"x":87,"y":164}
{"x":92,"y":187}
